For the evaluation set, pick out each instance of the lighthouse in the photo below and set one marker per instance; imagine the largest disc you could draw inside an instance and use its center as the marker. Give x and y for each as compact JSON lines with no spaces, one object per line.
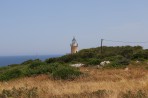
{"x":74,"y":46}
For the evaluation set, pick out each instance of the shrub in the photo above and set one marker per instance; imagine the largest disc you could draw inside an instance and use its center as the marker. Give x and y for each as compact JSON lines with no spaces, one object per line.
{"x":35,"y":64}
{"x":15,"y":73}
{"x":101,"y":93}
{"x":27,"y":62}
{"x":138,"y":55}
{"x":127,"y":52}
{"x":43,"y":69}
{"x":68,"y":58}
{"x":129,"y":94}
{"x":92,"y":61}
{"x":58,"y":70}
{"x":13,"y":65}
{"x":87,"y":53}
{"x":51,"y":60}
{"x":65,"y":72}
{"x":119,"y":63}
{"x":113,"y":58}
{"x":38,"y":69}
{"x":54,"y":66}
{"x":123,"y":61}
{"x":22,"y":92}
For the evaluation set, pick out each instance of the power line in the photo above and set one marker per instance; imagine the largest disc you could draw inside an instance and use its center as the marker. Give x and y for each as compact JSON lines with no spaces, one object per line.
{"x":124,"y":41}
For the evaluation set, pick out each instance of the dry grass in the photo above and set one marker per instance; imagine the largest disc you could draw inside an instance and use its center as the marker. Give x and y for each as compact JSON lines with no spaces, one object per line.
{"x":113,"y":81}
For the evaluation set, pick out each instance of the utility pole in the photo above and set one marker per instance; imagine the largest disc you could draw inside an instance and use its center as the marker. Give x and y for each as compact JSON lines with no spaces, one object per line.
{"x":101,"y":45}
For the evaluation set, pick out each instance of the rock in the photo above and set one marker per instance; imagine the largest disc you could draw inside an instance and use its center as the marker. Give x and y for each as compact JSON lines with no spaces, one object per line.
{"x":99,"y":66}
{"x":137,"y":62}
{"x":76,"y":65}
{"x":107,"y":62}
{"x":104,"y":63}
{"x":126,"y":69}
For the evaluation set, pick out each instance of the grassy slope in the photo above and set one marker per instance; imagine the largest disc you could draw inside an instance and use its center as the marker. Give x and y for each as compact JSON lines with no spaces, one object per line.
{"x":113,"y":80}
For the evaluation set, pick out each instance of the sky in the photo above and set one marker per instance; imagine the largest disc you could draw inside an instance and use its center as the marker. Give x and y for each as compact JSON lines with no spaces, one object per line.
{"x":43,"y":27}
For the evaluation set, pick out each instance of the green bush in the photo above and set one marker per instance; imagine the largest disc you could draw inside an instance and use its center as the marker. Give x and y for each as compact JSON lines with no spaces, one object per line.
{"x":15,"y":73}
{"x":35,"y":64}
{"x":141,"y":55}
{"x":113,"y":58}
{"x":65,"y":72}
{"x":38,"y":69}
{"x":92,"y":61}
{"x":54,"y":66}
{"x":27,"y":62}
{"x":58,"y":70}
{"x":43,"y":69}
{"x":51,"y":60}
{"x":66,"y":58}
{"x":119,"y":63}
{"x":127,"y":52}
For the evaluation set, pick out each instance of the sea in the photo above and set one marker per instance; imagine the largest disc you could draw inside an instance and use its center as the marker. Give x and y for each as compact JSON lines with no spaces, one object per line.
{"x":8,"y":60}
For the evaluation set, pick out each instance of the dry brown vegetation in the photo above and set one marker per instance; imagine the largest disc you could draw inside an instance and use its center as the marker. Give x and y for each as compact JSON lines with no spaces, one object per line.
{"x":95,"y":83}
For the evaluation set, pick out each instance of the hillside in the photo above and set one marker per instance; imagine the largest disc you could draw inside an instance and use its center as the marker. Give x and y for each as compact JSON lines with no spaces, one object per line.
{"x":119,"y":57}
{"x":96,"y":83}
{"x":126,"y":75}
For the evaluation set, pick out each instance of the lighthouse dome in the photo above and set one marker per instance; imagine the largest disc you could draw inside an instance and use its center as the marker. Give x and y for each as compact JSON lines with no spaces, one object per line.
{"x":74,"y":42}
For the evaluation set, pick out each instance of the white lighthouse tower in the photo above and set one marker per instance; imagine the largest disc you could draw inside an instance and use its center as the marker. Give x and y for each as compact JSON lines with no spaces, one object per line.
{"x":74,"y":46}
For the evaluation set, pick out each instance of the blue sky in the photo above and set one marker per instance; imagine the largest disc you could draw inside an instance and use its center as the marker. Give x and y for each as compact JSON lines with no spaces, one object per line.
{"x":41,"y":27}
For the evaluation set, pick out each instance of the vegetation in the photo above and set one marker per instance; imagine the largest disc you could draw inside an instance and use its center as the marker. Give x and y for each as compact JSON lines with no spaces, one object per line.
{"x":36,"y":67}
{"x":58,"y":68}
{"x":40,"y":75}
{"x":119,"y":63}
{"x":130,"y":94}
{"x":65,"y":73}
{"x":95,"y":83}
{"x":22,"y":92}
{"x":120,"y":56}
{"x":25,"y":92}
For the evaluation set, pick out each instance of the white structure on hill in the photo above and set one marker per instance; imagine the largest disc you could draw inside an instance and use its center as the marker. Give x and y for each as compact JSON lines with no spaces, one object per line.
{"x":74,"y":46}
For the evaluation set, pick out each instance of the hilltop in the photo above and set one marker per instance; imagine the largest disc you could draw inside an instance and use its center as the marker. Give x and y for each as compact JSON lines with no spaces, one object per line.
{"x":120,"y":55}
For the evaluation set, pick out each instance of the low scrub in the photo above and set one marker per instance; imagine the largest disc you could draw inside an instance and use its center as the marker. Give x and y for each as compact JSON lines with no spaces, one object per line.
{"x":56,"y":70}
{"x":101,"y":94}
{"x":130,"y":94}
{"x":65,"y":72}
{"x":14,"y":73}
{"x":119,"y":63}
{"x":95,"y":94}
{"x":22,"y":92}
{"x":92,"y":61}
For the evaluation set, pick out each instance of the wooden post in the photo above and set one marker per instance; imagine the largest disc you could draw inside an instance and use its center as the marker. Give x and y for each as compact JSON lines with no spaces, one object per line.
{"x":101,"y":46}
